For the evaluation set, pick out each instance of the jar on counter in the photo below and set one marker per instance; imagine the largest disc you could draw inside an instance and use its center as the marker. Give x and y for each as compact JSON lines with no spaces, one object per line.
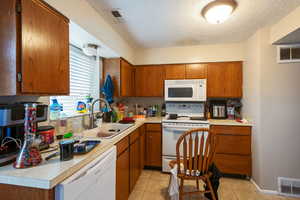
{"x":46,"y":133}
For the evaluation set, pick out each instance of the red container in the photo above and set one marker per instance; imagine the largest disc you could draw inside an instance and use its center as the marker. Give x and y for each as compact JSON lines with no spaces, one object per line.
{"x":46,"y":133}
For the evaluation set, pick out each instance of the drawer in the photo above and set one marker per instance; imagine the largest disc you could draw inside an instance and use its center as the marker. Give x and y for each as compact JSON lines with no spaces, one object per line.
{"x":153,"y":127}
{"x":233,"y":164}
{"x":134,"y":136}
{"x":122,"y":145}
{"x":234,"y":144}
{"x":231,"y":130}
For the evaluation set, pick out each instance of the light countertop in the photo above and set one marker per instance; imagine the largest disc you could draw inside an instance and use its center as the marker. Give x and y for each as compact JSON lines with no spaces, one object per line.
{"x":52,"y":172}
{"x":228,"y":122}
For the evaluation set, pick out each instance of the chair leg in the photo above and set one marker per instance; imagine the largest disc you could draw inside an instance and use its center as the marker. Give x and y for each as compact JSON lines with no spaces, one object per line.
{"x":211,"y":189}
{"x":181,"y":189}
{"x":197,"y":182}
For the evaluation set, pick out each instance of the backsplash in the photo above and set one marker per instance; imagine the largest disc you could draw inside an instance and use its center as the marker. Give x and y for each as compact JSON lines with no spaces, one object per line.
{"x":142,"y":101}
{"x":76,"y":124}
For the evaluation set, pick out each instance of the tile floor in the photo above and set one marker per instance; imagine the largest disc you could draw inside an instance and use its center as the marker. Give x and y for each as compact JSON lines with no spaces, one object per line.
{"x":153,"y":185}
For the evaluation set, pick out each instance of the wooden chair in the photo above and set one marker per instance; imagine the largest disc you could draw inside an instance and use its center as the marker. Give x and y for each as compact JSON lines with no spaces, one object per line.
{"x":195,"y":155}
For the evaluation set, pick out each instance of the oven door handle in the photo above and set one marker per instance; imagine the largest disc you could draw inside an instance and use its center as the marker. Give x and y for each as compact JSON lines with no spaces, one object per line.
{"x":178,"y":128}
{"x":172,"y":128}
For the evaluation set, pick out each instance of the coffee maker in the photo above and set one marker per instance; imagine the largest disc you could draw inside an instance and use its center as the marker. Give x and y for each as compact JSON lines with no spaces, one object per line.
{"x":12,"y":128}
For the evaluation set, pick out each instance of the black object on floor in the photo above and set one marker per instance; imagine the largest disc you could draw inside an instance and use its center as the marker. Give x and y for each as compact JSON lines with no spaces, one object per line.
{"x":215,"y":180}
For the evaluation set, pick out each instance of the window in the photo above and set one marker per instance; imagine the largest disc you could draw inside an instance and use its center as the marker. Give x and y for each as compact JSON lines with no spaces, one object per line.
{"x":84,"y":81}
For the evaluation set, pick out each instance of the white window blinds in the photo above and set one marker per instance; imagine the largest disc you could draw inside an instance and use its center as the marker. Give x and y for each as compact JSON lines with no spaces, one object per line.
{"x":84,"y":80}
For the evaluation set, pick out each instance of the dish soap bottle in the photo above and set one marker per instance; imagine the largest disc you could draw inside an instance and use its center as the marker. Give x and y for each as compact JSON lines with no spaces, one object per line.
{"x":55,"y":109}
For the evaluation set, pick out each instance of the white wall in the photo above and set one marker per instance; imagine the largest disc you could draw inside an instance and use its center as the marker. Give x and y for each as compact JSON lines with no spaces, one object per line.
{"x":191,"y":54}
{"x":272,"y":96}
{"x":83,"y":14}
{"x":252,"y":100}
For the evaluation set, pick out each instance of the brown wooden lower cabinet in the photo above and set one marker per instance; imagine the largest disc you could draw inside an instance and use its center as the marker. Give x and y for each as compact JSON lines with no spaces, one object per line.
{"x":122,"y":169}
{"x":129,"y":163}
{"x":153,"y":145}
{"x":233,"y":164}
{"x":135,"y":169}
{"x":233,"y":151}
{"x":143,"y":146}
{"x":13,"y":192}
{"x":122,"y":174}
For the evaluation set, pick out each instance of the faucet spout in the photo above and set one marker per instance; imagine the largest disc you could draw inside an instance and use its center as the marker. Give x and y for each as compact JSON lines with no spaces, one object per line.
{"x":92,"y":117}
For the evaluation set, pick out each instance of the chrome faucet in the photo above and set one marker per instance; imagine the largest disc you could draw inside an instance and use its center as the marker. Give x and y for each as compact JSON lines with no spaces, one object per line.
{"x":92,"y":117}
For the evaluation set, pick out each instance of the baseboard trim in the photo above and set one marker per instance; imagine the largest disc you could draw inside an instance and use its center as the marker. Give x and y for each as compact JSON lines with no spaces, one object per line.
{"x":273,"y":192}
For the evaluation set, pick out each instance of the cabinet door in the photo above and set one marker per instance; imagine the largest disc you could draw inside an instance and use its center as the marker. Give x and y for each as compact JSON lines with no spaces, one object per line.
{"x":153,"y":147}
{"x":127,"y":79}
{"x":122,"y":176}
{"x":196,"y":71}
{"x":111,"y":66}
{"x":8,"y":43}
{"x":233,"y":164}
{"x":234,"y":80}
{"x":173,"y":72}
{"x":143,"y":146}
{"x":44,"y":49}
{"x":149,"y":81}
{"x":225,"y":80}
{"x":135,"y":168}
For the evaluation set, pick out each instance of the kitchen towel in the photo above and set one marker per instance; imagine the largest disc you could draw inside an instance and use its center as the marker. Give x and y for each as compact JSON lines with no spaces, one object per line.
{"x":108,"y":89}
{"x":174,"y":186}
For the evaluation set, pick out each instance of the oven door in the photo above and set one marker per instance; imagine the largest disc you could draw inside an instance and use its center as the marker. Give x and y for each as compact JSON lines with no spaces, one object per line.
{"x":180,"y":93}
{"x":171,"y":134}
{"x":170,"y":137}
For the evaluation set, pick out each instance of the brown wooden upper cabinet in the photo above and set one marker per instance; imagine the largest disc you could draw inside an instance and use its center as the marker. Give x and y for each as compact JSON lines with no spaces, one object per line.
{"x":185,"y":71}
{"x":173,"y":72}
{"x":149,"y":81}
{"x":196,"y":71}
{"x":34,"y":55}
{"x":122,"y":73}
{"x":225,"y":80}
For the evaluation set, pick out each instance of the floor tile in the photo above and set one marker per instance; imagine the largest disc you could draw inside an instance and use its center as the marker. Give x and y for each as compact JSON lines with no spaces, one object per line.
{"x":136,"y":195}
{"x":141,"y":184}
{"x":154,"y":196}
{"x":153,"y":185}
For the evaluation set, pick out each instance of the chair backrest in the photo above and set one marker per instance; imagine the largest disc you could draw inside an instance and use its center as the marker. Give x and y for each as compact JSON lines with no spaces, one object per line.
{"x":195,"y":149}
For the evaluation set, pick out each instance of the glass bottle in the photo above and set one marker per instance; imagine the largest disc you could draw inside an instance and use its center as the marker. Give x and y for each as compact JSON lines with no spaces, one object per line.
{"x":29,"y":154}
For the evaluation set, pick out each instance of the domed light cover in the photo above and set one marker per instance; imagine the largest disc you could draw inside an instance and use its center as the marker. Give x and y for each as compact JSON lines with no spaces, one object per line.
{"x":218,"y":11}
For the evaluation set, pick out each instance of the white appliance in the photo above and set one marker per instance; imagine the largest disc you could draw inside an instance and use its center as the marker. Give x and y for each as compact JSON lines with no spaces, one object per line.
{"x":171,"y":133}
{"x":185,"y":90}
{"x":174,"y":128}
{"x":95,"y":181}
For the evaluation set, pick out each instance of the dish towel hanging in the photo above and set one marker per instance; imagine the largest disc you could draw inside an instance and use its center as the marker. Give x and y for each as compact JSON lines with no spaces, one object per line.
{"x":108,"y":89}
{"x":174,"y":186}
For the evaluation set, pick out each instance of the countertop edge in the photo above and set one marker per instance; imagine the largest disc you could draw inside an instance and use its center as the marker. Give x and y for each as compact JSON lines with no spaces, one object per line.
{"x":50,"y":184}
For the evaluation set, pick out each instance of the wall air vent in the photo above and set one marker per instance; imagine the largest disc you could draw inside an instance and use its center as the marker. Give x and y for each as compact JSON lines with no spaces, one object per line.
{"x":289,"y":186}
{"x":288,"y":53}
{"x":117,"y":15}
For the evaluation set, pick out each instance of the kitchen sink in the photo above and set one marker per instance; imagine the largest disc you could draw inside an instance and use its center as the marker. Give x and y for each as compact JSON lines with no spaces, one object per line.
{"x":110,"y":130}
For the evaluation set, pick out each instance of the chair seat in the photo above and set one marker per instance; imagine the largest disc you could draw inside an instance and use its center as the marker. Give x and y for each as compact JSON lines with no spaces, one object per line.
{"x":172,"y":164}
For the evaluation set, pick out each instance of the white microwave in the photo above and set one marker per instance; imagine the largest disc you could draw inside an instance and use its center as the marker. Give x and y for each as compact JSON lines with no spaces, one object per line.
{"x":185,"y":90}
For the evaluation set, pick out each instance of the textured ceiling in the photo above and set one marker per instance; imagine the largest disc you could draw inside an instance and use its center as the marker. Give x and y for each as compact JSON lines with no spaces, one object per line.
{"x":165,"y":23}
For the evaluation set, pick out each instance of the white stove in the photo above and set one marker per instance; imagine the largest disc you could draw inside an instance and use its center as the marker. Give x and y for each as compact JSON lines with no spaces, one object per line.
{"x":174,"y":128}
{"x":184,"y":120}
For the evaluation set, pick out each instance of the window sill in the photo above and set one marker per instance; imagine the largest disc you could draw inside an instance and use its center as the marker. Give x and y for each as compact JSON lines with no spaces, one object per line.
{"x":77,"y":115}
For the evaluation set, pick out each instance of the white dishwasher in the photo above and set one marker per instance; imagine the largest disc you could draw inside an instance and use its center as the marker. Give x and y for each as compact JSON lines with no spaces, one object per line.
{"x":95,"y":181}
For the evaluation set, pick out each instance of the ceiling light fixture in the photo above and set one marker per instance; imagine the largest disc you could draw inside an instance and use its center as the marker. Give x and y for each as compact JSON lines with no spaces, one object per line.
{"x":218,"y":11}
